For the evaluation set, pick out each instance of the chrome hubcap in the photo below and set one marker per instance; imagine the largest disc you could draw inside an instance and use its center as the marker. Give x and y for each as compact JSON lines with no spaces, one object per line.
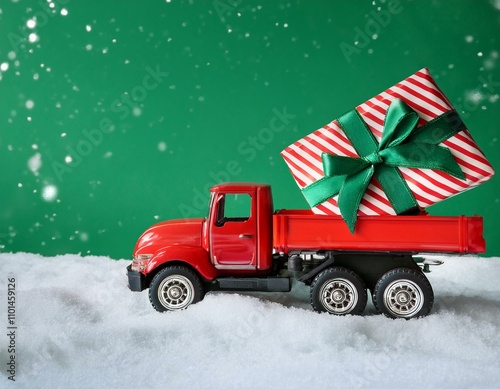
{"x":404,"y":298}
{"x":339,"y":296}
{"x":175,"y":292}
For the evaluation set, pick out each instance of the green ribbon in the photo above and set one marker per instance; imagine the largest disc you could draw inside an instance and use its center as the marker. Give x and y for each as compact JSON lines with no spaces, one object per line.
{"x":402,"y":145}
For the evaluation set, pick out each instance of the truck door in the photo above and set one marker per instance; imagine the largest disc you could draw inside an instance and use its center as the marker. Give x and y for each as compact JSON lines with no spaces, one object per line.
{"x":233,"y":231}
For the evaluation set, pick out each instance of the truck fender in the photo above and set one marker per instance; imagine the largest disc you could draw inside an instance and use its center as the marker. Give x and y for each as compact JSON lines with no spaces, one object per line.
{"x":195,"y":257}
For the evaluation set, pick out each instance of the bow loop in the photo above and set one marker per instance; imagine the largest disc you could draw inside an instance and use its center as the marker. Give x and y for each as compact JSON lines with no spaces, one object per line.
{"x":400,"y":121}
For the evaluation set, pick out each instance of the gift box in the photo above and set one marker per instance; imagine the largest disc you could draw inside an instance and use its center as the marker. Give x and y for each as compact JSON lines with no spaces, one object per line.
{"x":401,"y":151}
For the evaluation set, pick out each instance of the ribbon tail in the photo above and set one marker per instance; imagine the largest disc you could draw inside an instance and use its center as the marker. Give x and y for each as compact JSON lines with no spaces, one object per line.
{"x":335,"y":165}
{"x":438,"y":130}
{"x":396,"y":189}
{"x":351,"y":193}
{"x":423,"y":156}
{"x":322,"y":190}
{"x":449,"y":164}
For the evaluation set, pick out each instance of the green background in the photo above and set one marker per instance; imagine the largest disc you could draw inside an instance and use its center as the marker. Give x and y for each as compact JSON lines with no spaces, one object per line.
{"x":94,"y":149}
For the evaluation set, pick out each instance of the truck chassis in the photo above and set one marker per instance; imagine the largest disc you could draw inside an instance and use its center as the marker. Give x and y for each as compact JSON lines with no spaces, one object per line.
{"x":339,"y":283}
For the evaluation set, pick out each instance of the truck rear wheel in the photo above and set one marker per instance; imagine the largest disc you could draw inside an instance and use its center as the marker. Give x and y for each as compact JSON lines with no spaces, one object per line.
{"x":175,"y":288}
{"x":403,"y":293}
{"x":338,"y":291}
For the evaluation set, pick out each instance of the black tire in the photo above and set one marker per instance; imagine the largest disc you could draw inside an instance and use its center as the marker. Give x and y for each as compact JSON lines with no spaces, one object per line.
{"x":403,"y":293}
{"x":338,"y":291}
{"x":175,"y":288}
{"x":374,"y":302}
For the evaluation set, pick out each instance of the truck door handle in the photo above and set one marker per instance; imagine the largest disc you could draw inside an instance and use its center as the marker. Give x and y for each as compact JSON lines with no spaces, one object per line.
{"x":246,"y":236}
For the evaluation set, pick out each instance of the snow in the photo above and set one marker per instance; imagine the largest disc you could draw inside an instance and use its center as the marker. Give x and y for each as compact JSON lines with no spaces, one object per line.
{"x":49,"y":193}
{"x":35,"y":163}
{"x":80,"y":326}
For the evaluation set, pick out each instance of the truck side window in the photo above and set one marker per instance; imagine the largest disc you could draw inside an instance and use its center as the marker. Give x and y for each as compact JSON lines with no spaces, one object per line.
{"x":234,"y":208}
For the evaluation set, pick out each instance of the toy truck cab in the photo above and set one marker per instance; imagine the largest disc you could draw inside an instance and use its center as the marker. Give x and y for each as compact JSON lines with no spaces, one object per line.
{"x":180,"y":260}
{"x":243,"y":245}
{"x":238,"y":234}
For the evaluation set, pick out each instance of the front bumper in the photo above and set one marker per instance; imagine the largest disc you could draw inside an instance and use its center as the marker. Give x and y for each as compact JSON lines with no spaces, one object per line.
{"x":136,"y":280}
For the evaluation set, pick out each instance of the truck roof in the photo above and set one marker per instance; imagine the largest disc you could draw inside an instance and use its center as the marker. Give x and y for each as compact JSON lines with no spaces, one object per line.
{"x":238,"y":186}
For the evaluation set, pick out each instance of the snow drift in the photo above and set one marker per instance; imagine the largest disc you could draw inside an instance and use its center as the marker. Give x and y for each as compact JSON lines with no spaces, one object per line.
{"x":80,"y":326}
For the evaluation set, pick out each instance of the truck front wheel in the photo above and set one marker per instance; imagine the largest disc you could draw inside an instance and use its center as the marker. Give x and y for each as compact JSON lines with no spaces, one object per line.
{"x":403,"y":293}
{"x":175,"y":288}
{"x":339,"y":291}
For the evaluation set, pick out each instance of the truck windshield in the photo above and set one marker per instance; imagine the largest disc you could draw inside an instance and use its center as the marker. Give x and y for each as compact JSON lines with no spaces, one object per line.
{"x":210,"y":204}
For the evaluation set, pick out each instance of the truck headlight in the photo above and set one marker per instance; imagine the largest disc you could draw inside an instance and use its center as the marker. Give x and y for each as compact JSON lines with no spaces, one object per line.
{"x":140,"y":261}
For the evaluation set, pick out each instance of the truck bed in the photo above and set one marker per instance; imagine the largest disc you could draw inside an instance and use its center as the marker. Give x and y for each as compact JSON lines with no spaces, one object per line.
{"x":304,"y":230}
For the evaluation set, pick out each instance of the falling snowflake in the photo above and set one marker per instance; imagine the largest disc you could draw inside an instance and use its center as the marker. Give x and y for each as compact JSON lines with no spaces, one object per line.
{"x":49,"y":193}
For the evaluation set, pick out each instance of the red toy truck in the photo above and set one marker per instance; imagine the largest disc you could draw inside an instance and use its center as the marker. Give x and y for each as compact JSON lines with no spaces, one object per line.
{"x":243,"y":245}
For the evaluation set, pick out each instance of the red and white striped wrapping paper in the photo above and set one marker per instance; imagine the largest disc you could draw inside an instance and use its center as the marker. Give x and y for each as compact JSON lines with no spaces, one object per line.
{"x":422,"y":94}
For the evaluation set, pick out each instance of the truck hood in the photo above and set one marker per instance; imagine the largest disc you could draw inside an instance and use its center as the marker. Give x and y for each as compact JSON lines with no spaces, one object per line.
{"x":172,"y":232}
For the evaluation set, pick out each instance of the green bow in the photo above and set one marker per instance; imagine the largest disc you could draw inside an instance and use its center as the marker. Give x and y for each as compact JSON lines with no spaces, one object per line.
{"x":402,"y":145}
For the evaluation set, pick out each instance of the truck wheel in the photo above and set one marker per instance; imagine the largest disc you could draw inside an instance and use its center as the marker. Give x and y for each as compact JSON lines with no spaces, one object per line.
{"x":174,"y":288}
{"x":339,"y":291}
{"x":403,"y":293}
